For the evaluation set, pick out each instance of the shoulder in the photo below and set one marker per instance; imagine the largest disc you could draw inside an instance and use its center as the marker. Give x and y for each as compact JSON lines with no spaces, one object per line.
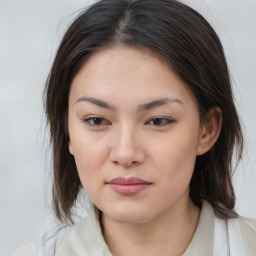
{"x":248,"y":224}
{"x":248,"y":227}
{"x":26,"y":250}
{"x":44,"y":245}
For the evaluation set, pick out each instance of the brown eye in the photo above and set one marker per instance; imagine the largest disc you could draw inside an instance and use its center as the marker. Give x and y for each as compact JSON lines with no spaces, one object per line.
{"x":95,"y":121}
{"x":160,"y":121}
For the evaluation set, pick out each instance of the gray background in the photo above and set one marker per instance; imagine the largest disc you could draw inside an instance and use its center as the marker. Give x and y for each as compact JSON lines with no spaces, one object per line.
{"x":30,"y":31}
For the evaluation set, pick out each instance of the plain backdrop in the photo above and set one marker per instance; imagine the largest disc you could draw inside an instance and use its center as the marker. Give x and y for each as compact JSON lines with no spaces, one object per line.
{"x":30,"y":31}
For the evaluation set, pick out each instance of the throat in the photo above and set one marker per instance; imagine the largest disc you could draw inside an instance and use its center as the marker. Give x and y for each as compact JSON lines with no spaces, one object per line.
{"x":155,"y":238}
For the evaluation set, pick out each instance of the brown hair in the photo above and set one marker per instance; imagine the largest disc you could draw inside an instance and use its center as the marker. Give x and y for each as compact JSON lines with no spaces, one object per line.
{"x":190,"y":46}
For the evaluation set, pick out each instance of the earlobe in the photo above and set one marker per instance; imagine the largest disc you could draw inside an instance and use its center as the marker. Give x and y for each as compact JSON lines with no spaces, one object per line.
{"x":70,"y":148}
{"x":210,"y":131}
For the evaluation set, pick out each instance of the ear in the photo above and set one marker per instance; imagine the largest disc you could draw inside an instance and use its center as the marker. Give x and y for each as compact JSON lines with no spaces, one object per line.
{"x":70,"y":148}
{"x":210,"y":130}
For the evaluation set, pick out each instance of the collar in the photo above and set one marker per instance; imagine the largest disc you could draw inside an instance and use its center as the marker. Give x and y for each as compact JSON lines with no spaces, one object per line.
{"x":86,"y":238}
{"x":202,"y":241}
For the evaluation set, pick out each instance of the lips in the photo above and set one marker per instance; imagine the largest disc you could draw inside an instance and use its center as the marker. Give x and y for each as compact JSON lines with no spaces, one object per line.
{"x":130,"y":186}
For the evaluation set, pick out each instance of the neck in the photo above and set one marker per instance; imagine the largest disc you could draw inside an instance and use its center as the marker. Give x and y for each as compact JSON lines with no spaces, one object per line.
{"x":171,"y":232}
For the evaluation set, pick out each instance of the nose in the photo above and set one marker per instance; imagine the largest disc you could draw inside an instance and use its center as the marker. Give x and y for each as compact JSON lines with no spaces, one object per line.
{"x":126,"y":149}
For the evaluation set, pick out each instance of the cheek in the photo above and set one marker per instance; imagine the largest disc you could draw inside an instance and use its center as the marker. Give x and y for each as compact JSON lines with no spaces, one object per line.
{"x":89,"y":161}
{"x":90,"y":155}
{"x":175,"y":157}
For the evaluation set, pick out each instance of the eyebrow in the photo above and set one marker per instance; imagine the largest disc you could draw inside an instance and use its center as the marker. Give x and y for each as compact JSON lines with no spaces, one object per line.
{"x":97,"y":102}
{"x":143,"y":107}
{"x":157,"y":103}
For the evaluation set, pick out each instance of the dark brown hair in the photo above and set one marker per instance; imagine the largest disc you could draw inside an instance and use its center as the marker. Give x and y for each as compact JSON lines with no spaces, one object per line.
{"x":189,"y":45}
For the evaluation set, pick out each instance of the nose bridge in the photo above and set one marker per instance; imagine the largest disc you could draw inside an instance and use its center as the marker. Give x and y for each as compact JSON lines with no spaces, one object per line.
{"x":126,"y":148}
{"x":125,"y":140}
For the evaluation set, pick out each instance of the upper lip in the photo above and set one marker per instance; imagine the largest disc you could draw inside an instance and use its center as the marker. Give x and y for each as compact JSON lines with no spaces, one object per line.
{"x":131,"y":180}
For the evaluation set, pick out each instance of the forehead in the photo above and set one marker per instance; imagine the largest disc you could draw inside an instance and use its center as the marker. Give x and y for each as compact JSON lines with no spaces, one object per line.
{"x":128,"y":71}
{"x":124,"y":59}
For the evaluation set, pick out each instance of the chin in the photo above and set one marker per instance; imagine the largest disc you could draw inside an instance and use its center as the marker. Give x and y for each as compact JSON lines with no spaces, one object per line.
{"x":129,"y":215}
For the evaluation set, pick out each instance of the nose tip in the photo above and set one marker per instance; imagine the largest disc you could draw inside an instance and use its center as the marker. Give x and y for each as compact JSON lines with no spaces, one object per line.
{"x":127,"y":151}
{"x":126,"y":157}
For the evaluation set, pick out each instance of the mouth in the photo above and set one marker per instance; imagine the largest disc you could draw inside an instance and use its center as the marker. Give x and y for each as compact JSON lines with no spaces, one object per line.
{"x":128,"y":187}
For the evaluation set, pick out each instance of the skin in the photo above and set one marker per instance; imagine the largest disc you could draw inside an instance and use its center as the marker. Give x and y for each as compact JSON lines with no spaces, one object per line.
{"x":127,"y":140}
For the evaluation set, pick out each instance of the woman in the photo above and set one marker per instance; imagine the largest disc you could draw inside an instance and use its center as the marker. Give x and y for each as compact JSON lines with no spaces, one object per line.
{"x":142,"y":119}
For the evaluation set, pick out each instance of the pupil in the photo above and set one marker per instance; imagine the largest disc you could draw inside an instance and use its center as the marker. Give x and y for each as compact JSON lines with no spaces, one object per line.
{"x":158,"y":121}
{"x":97,"y":120}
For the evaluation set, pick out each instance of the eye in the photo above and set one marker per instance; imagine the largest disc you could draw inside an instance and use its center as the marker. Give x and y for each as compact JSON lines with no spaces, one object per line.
{"x":160,"y":121}
{"x":96,"y":121}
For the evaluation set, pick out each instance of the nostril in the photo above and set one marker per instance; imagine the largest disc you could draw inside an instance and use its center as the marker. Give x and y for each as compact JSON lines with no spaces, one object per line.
{"x":115,"y":162}
{"x":126,"y":164}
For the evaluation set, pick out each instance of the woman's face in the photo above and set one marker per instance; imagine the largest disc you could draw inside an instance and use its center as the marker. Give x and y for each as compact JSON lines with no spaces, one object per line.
{"x":134,"y":132}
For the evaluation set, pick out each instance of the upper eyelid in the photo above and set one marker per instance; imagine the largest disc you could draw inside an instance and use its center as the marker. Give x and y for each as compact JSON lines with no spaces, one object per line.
{"x":161,"y":117}
{"x":92,"y":116}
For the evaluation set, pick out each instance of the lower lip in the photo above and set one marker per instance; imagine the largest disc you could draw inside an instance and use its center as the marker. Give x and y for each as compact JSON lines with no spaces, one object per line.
{"x":129,"y":189}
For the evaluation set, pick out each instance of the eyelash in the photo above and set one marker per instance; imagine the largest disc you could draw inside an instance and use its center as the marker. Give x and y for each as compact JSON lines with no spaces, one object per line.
{"x":94,"y":118}
{"x":91,"y":121}
{"x":166,"y":121}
